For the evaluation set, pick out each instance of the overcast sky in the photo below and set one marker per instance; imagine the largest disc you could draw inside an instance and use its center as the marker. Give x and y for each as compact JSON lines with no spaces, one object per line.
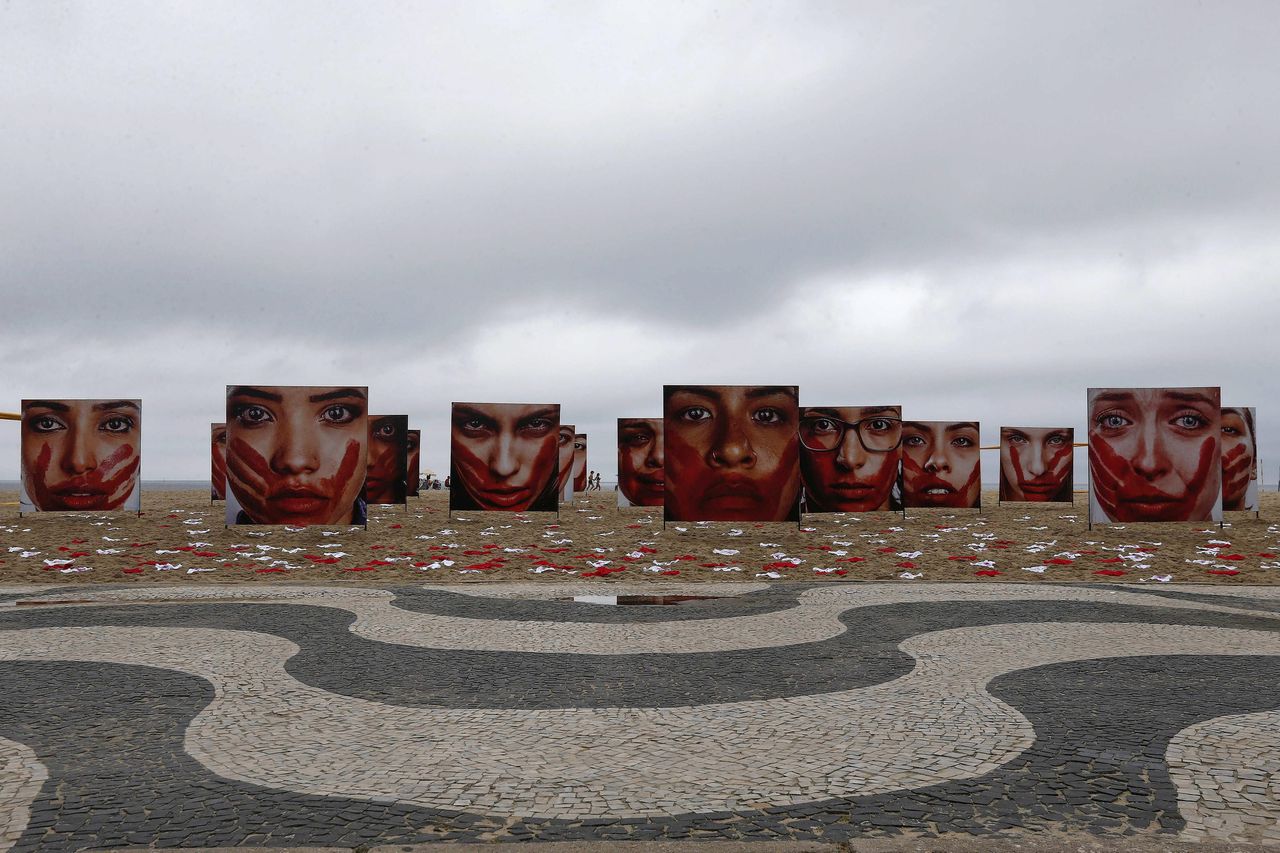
{"x":976,"y":210}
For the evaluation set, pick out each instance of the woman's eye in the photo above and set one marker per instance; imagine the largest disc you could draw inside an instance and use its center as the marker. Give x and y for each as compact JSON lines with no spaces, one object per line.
{"x":475,"y":425}
{"x":1231,"y":431}
{"x":879,"y":425}
{"x":822,"y":425}
{"x":914,"y":441}
{"x":1056,"y":440}
{"x":339,"y":415}
{"x":1190,"y":421}
{"x":695,"y":414}
{"x":1113,"y":421}
{"x":251,"y":415}
{"x":537,"y":426}
{"x":578,"y":445}
{"x":385,"y":431}
{"x":638,"y":440}
{"x":116,"y":424}
{"x":767,"y":416}
{"x":565,"y":439}
{"x":962,"y":441}
{"x":47,"y":424}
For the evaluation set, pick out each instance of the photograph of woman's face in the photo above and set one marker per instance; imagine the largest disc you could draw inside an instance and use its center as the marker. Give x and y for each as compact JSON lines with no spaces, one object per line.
{"x":505,"y":456}
{"x":641,"y":478}
{"x":81,"y":455}
{"x":849,"y":457}
{"x":732,"y":452}
{"x":296,"y":454}
{"x":579,"y":462}
{"x":1036,"y":463}
{"x":564,"y":450}
{"x":218,"y":451}
{"x":1154,"y":454}
{"x":388,"y":457}
{"x":413,"y":469}
{"x":1239,"y":460}
{"x":941,"y":464}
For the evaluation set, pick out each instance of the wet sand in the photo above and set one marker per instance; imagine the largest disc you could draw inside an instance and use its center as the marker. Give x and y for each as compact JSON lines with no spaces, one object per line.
{"x":180,"y":537}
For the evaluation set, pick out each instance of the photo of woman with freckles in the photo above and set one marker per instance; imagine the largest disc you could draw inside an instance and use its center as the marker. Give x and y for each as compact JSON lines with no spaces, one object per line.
{"x":81,"y":455}
{"x":1154,"y":454}
{"x":296,"y":455}
{"x":1036,"y":464}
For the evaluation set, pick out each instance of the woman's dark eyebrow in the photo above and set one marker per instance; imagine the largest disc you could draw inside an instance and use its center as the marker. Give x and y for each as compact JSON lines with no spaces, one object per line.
{"x":116,"y":404}
{"x":770,"y":390}
{"x":959,"y":425}
{"x":552,"y":412}
{"x":338,"y":394}
{"x":45,"y":404}
{"x":466,"y":411}
{"x":697,"y":390}
{"x":255,"y":393}
{"x":813,"y":411}
{"x":867,"y":411}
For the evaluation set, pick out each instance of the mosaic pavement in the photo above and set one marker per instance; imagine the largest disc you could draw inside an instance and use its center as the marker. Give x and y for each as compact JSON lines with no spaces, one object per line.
{"x":274,"y":716}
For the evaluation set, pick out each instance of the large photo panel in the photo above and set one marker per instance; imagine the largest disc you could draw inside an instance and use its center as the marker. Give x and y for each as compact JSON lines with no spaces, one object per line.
{"x":580,"y":462}
{"x":297,"y":454}
{"x":413,"y":462}
{"x":564,"y":452}
{"x":81,"y":455}
{"x":941,"y":465}
{"x":218,"y":461}
{"x":641,"y":469}
{"x":732,"y":452}
{"x":849,"y":458}
{"x":1240,"y":474}
{"x":1036,"y":464}
{"x":504,"y":456}
{"x":1155,"y":454}
{"x":388,"y":460}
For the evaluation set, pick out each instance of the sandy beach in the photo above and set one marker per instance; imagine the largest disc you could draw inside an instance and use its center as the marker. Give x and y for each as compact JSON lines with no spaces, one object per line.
{"x":180,"y":536}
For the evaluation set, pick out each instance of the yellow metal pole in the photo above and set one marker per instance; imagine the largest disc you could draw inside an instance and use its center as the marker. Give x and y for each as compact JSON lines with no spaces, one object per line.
{"x":10,"y":416}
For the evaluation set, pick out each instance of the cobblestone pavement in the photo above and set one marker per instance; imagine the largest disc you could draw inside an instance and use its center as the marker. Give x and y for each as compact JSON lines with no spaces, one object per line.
{"x":295,"y":716}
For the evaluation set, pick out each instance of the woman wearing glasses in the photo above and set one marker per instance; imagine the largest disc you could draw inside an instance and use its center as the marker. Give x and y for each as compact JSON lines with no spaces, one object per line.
{"x":849,"y":458}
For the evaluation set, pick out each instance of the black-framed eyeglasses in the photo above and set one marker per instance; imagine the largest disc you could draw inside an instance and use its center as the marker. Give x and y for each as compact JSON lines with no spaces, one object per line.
{"x":877,"y":434}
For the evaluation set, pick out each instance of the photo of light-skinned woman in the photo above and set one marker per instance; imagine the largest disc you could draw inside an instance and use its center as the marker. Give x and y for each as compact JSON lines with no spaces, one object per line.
{"x":1154,"y":454}
{"x":1036,"y":464}
{"x":1239,"y":460}
{"x":388,"y":460}
{"x":941,"y":464}
{"x":564,"y":477}
{"x":296,"y":455}
{"x":849,"y":458}
{"x":504,"y":456}
{"x":81,"y":455}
